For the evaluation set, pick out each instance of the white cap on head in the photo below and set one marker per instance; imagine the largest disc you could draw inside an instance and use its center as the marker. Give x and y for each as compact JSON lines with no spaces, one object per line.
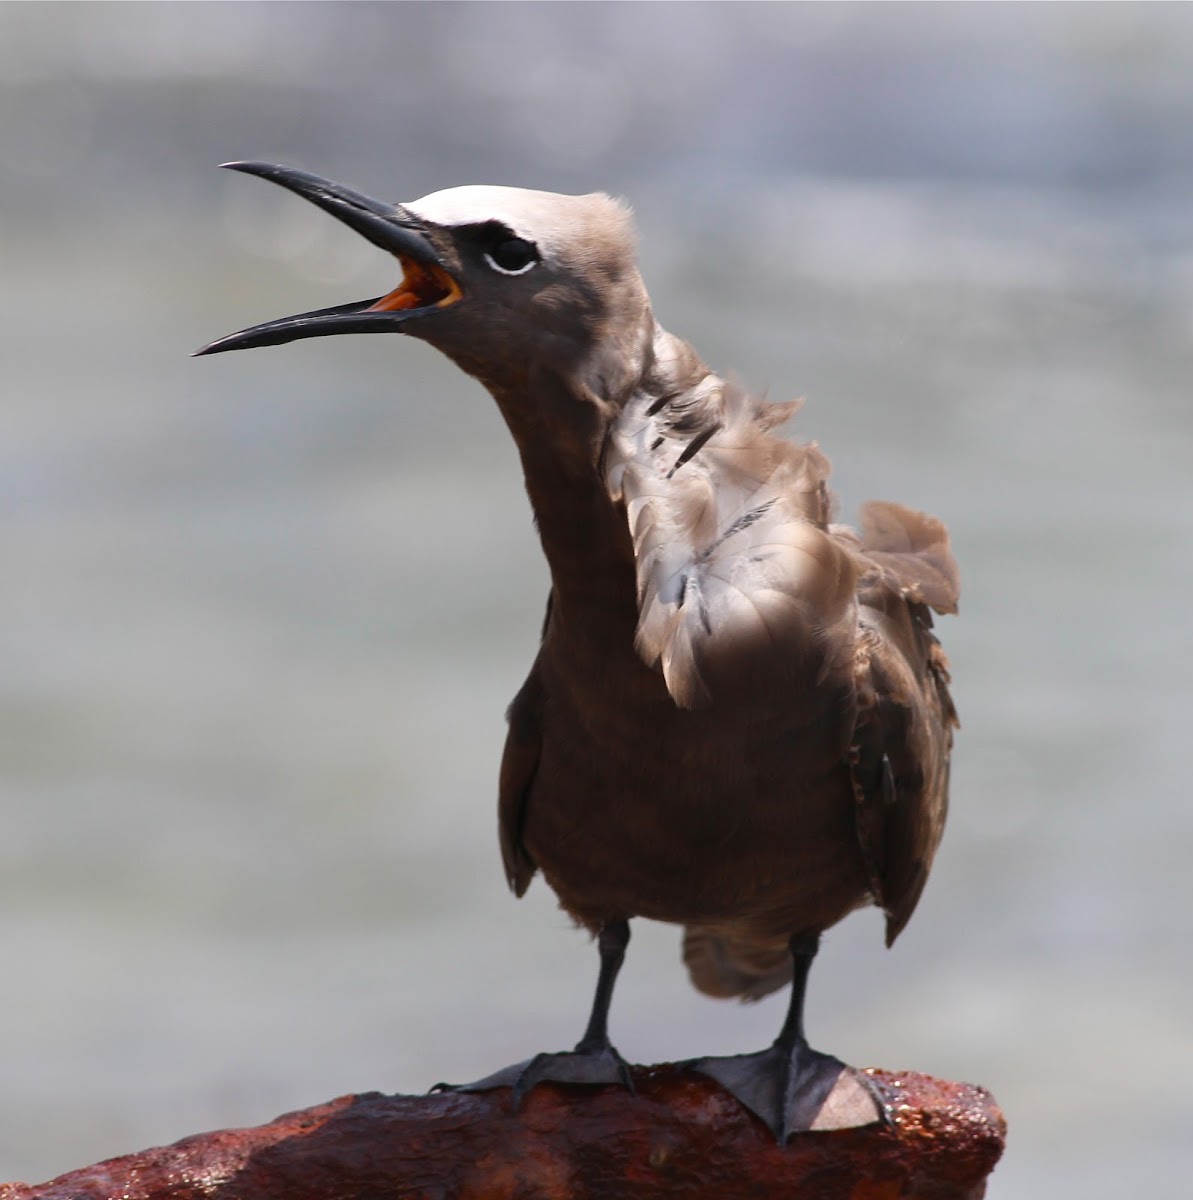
{"x":548,"y":219}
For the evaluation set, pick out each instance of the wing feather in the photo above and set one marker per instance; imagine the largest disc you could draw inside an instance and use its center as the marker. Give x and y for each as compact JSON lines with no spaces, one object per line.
{"x":904,"y":733}
{"x":739,"y":573}
{"x":729,"y":525}
{"x":519,"y":766}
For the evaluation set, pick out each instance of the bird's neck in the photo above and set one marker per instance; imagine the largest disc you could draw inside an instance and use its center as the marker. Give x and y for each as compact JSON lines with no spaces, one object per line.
{"x":559,"y":433}
{"x":561,"y":423}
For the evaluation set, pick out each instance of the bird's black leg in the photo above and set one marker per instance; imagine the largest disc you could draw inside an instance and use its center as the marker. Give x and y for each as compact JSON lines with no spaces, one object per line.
{"x":789,"y":1085}
{"x":594,"y":1060}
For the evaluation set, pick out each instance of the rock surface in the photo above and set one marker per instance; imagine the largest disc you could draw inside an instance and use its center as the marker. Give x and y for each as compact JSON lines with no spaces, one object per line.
{"x":680,"y":1135}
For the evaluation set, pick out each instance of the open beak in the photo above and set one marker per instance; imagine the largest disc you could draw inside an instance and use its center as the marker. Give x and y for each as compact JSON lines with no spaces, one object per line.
{"x":426,"y":283}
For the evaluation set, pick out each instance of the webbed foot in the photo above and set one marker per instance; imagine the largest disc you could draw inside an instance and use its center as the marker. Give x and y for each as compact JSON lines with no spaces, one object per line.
{"x":594,"y":1061}
{"x":795,"y":1089}
{"x":588,"y":1065}
{"x":790,"y":1086}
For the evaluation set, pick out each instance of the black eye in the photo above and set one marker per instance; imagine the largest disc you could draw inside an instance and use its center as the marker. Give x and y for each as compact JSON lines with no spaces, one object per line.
{"x":512,"y":256}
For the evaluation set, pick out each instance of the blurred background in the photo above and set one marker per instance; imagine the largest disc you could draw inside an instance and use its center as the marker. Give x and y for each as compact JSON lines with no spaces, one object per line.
{"x":256,"y":653}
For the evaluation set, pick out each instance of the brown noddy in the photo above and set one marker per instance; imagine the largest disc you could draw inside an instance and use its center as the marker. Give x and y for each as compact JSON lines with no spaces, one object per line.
{"x":738,"y":719}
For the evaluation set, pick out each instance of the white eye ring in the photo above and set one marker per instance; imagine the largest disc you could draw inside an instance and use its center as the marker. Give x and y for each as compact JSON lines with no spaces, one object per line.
{"x":505,"y":270}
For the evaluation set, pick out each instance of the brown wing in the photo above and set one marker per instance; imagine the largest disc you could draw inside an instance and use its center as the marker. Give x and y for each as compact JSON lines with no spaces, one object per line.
{"x":914,"y":549}
{"x":519,"y":764}
{"x":906,"y":718}
{"x":730,"y":546}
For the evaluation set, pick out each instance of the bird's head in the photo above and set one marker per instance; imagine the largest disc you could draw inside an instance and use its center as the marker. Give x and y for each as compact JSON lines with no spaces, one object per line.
{"x":508,"y":283}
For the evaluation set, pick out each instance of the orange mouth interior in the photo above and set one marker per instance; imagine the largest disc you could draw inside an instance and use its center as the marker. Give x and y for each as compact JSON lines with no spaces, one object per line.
{"x":422,"y":286}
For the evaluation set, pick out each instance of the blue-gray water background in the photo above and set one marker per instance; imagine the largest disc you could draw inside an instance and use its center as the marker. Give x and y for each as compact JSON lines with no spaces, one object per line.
{"x":258,"y":623}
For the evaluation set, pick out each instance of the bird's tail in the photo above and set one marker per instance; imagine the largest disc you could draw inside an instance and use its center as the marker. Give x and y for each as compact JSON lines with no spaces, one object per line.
{"x":722,"y":966}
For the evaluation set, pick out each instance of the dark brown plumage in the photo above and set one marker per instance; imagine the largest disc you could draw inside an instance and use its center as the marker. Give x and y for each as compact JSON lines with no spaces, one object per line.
{"x":738,"y":719}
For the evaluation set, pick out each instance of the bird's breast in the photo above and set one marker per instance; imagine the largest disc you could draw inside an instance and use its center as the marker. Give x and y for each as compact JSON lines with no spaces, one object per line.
{"x":639,"y":808}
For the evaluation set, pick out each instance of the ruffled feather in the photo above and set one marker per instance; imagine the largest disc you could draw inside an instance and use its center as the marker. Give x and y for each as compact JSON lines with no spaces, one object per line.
{"x":729,"y":525}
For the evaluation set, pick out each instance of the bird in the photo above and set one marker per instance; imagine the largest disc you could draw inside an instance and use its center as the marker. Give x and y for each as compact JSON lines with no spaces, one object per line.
{"x":738,"y":718}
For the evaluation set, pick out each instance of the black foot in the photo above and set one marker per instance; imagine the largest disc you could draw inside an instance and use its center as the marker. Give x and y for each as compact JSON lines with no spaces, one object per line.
{"x":795,"y":1090}
{"x":595,"y":1067}
{"x":594,"y":1061}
